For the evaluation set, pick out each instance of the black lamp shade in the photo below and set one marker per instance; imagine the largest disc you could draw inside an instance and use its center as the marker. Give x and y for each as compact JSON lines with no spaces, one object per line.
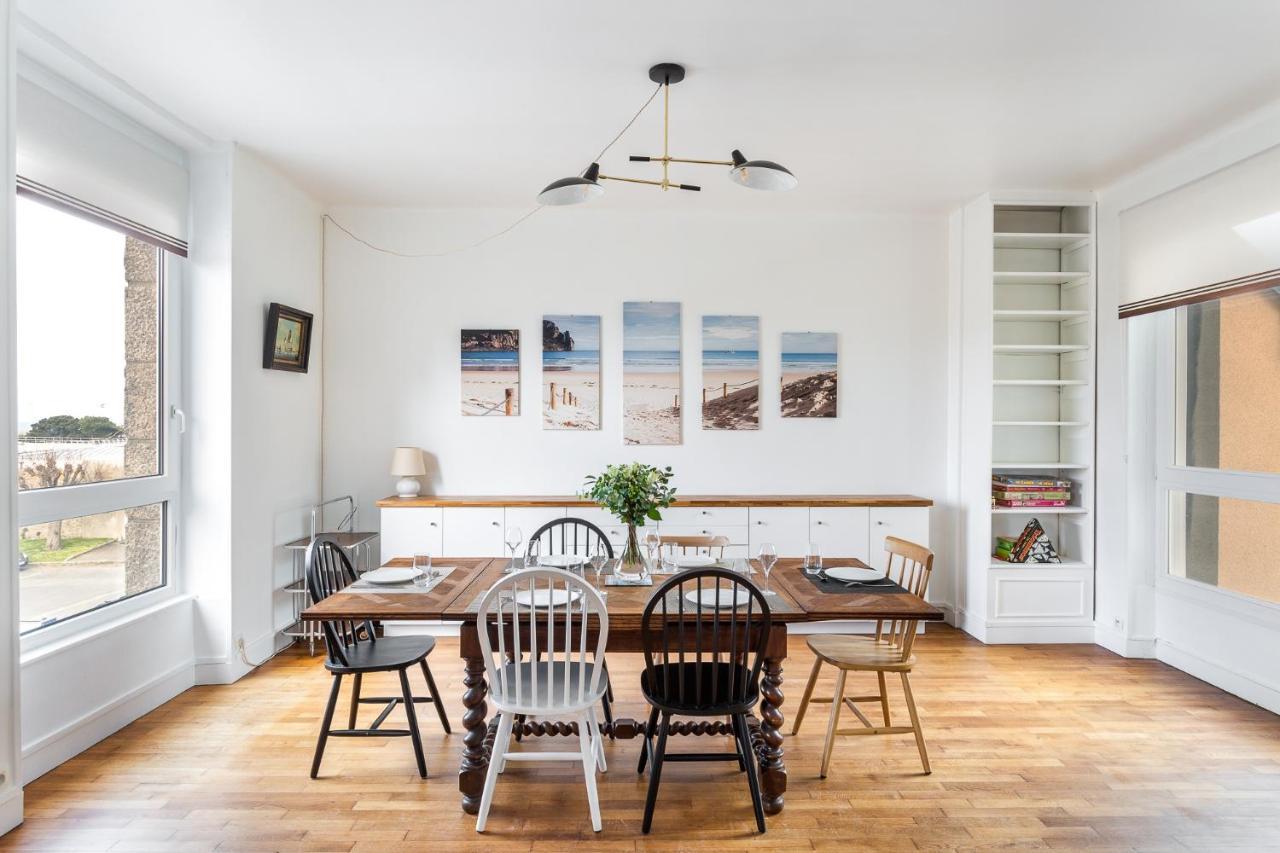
{"x":573,"y":190}
{"x":761,"y":174}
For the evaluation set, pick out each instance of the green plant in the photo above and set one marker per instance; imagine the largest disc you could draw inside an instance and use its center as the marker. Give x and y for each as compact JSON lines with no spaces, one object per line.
{"x":633,"y":493}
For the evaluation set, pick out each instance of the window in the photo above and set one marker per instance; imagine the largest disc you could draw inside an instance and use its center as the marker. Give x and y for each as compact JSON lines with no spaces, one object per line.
{"x":1219,"y":457}
{"x":95,"y":470}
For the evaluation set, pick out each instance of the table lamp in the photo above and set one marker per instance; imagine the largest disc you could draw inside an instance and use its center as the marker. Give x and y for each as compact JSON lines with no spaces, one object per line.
{"x":407,"y":464}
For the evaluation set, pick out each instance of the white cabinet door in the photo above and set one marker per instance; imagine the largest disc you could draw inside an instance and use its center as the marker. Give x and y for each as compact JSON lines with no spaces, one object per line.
{"x":840,"y":531}
{"x":473,"y":531}
{"x":529,"y":519}
{"x":906,"y":522}
{"x":786,"y":527}
{"x":411,"y":530}
{"x":614,"y":530}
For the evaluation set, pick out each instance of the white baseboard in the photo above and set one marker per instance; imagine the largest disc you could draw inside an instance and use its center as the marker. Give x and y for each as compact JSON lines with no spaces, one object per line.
{"x":971,"y":623}
{"x":1124,"y":645}
{"x":228,"y":670}
{"x":10,"y":809}
{"x":1261,"y":693}
{"x":74,"y":738}
{"x":1007,"y":634}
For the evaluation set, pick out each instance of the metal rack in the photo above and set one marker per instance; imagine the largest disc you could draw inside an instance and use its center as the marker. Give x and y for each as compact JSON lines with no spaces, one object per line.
{"x":359,"y":548}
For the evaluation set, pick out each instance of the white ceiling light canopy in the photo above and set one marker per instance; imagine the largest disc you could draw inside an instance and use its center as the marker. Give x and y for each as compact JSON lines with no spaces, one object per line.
{"x":755,"y":174}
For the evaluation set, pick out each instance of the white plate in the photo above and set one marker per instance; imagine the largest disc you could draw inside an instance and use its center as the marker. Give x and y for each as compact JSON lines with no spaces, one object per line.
{"x":391,"y":574}
{"x":693,"y":561}
{"x":719,"y":598}
{"x":562,"y":561}
{"x":541,"y":597}
{"x":852,"y":573}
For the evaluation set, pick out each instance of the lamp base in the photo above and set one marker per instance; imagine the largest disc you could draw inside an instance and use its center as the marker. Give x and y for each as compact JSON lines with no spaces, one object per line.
{"x":408,"y":487}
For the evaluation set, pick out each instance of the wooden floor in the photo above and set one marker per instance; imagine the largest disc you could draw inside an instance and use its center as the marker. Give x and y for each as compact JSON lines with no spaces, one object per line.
{"x":1059,"y":747}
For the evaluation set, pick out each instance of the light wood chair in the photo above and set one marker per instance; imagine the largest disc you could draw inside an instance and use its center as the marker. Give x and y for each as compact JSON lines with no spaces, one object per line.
{"x":888,"y":651}
{"x":695,"y":545}
{"x":548,"y":613}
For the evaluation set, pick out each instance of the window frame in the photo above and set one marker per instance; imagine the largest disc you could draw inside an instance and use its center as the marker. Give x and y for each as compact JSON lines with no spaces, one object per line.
{"x":1171,"y":478}
{"x":63,"y":502}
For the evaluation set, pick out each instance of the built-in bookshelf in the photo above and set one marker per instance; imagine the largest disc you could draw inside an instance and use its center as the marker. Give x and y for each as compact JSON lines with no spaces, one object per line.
{"x":1028,"y":387}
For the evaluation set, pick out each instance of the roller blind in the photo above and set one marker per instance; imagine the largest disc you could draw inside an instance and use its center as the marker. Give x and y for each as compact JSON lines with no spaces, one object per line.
{"x":1211,"y":238}
{"x":78,"y":152}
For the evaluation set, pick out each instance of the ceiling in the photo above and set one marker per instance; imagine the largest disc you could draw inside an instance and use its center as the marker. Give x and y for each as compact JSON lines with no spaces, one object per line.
{"x":908,"y":106}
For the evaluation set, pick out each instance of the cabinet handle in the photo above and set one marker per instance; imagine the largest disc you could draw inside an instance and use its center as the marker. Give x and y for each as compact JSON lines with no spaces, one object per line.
{"x":760,"y":522}
{"x":705,"y":512}
{"x":817,"y":522}
{"x":495,"y":524}
{"x":881,"y":523}
{"x":433,"y":524}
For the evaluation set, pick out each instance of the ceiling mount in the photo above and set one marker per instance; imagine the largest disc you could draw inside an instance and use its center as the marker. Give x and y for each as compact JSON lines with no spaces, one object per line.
{"x":666,"y":73}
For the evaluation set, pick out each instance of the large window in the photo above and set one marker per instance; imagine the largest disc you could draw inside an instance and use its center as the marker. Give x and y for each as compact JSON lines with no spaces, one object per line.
{"x":1219,"y":470}
{"x":95,"y":475}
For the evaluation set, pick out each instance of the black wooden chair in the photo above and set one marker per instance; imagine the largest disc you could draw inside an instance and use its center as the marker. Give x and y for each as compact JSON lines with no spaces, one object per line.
{"x":579,"y":537}
{"x":354,"y":649}
{"x":702,"y":661}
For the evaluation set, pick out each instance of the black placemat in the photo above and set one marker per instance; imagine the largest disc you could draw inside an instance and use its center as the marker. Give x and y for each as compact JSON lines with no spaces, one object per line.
{"x":882,"y":587}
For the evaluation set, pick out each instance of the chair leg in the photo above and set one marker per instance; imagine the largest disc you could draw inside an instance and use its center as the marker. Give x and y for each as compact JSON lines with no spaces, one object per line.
{"x":586,"y":742}
{"x":597,"y":741}
{"x":915,"y":723}
{"x":325,"y":723}
{"x":412,"y":715}
{"x":655,"y":775}
{"x":884,"y":699}
{"x":808,"y":692}
{"x":355,"y":701}
{"x":837,"y":700}
{"x":742,"y":753}
{"x":500,"y":745}
{"x":753,"y":779}
{"x":647,"y":743}
{"x":436,"y":699}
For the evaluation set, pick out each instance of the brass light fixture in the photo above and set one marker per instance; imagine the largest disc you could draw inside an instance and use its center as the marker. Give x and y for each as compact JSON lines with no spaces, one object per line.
{"x":755,"y":174}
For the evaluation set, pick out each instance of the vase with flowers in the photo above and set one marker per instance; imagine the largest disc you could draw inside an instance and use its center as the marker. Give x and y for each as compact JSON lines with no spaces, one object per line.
{"x":634,"y":494}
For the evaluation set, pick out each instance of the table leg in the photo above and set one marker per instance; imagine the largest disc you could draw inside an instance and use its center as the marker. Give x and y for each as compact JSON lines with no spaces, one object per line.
{"x":478,"y":740}
{"x":773,"y":772}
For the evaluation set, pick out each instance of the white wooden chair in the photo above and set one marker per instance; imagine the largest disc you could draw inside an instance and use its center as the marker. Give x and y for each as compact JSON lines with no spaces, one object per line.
{"x":535,"y":635}
{"x":707,"y":545}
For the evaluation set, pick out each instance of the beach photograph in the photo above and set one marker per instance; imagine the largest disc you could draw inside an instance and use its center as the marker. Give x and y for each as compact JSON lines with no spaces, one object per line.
{"x":570,"y":371}
{"x":808,"y":374}
{"x":490,"y":372}
{"x":651,"y":372}
{"x":730,"y":372}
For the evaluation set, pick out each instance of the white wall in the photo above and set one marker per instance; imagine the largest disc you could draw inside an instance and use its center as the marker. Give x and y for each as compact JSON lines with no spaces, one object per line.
{"x":391,"y":361}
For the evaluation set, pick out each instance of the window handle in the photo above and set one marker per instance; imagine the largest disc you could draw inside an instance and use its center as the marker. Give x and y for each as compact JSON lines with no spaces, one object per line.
{"x":180,"y":416}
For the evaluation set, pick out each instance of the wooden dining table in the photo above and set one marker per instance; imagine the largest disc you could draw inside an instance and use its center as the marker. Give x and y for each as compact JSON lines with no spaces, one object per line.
{"x":455,"y":598}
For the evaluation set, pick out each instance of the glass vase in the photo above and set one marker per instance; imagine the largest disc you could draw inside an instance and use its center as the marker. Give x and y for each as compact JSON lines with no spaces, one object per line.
{"x":632,"y":567}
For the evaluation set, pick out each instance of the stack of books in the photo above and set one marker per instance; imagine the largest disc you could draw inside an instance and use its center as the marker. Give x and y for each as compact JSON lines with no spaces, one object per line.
{"x":1026,"y":490}
{"x":1004,"y":547}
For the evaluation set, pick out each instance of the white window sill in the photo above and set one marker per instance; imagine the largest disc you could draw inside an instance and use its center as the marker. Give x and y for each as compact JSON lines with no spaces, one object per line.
{"x":78,"y":630}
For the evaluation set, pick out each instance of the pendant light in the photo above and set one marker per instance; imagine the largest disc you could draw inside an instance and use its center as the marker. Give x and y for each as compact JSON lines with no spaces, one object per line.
{"x":754,"y":174}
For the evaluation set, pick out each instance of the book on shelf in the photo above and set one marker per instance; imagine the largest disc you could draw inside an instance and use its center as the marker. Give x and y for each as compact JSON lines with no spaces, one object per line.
{"x":1028,"y":481}
{"x":1032,"y":495}
{"x":1020,"y":503}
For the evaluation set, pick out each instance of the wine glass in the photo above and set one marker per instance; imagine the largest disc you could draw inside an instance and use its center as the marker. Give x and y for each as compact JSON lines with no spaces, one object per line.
{"x":514,"y":539}
{"x":651,"y":544}
{"x":599,"y":559}
{"x":768,"y":556}
{"x":535,"y":551}
{"x":813,"y":560}
{"x":426,"y":574}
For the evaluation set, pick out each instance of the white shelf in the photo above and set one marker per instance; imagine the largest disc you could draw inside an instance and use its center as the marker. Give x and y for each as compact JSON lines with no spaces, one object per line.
{"x":1038,"y":316}
{"x":1038,"y":510}
{"x":1038,"y":567}
{"x":1040,"y":423}
{"x":1037,"y":349}
{"x":1019,"y":240}
{"x":1056,"y":383}
{"x":1041,"y":466}
{"x":1038,"y":277}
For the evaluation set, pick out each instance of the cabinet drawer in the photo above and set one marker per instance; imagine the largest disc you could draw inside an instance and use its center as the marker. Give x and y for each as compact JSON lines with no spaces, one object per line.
{"x":787,"y":528}
{"x":473,"y":531}
{"x":411,"y":530}
{"x":840,"y":531}
{"x":705,"y":515}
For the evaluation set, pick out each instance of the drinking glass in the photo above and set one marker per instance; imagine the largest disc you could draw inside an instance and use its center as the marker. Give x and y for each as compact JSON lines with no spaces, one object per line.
{"x":515,"y":538}
{"x":651,"y":545}
{"x":426,"y":574}
{"x":599,"y":559}
{"x":535,"y":550}
{"x":813,"y":560}
{"x":768,"y":556}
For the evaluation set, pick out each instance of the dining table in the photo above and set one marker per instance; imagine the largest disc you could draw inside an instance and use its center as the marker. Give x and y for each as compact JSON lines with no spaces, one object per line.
{"x":800,"y":598}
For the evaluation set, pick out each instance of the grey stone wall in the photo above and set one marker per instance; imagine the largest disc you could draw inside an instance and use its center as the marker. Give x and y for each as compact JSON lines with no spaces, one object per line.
{"x":144,"y":532}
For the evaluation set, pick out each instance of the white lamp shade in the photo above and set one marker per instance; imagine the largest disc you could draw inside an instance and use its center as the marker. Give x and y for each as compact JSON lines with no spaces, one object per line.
{"x":407,"y":462}
{"x":570,"y":191}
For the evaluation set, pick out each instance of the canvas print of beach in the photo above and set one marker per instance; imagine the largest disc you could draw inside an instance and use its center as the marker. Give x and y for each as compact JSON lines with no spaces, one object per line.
{"x":570,"y":372}
{"x":651,"y":372}
{"x":730,"y":372}
{"x":808,"y":374}
{"x":491,"y":372}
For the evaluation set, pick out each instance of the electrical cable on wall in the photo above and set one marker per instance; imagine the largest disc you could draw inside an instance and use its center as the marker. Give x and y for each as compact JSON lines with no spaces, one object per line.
{"x":521,"y":220}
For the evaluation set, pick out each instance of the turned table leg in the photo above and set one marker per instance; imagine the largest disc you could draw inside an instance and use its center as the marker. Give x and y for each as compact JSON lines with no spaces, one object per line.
{"x":773,"y":772}
{"x":478,"y":740}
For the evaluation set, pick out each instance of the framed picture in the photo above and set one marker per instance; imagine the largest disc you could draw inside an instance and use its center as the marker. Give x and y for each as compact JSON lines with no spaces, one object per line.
{"x":287,"y":343}
{"x":651,"y":372}
{"x":730,"y":372}
{"x":809,"y":368}
{"x":570,"y":371}
{"x":490,"y":372}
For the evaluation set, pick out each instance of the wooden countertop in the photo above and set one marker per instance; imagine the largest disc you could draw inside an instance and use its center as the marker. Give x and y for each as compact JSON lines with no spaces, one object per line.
{"x":682,"y":500}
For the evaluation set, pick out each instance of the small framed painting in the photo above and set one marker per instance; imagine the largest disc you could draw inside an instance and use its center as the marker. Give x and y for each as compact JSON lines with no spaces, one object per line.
{"x":287,"y":342}
{"x":490,"y":372}
{"x":809,"y":367}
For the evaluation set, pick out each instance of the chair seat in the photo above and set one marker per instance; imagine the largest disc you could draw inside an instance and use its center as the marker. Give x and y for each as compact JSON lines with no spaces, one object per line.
{"x":664,"y":693}
{"x":859,"y":653}
{"x":549,"y":696}
{"x":383,"y":654}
